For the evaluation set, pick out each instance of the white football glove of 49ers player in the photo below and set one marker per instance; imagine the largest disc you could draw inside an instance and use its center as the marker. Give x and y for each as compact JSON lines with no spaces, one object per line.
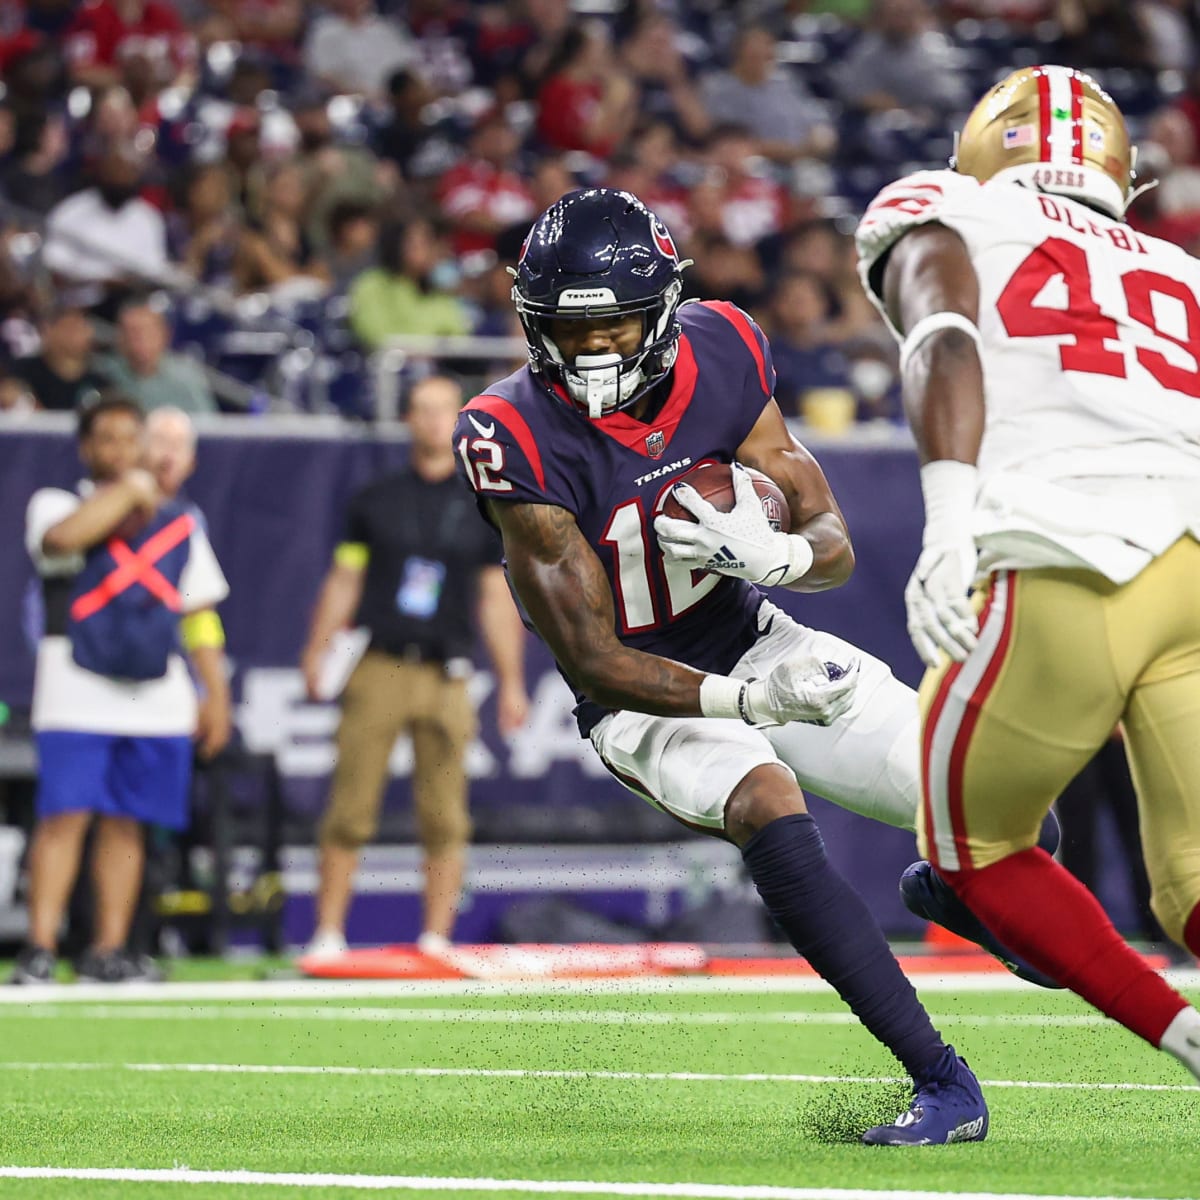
{"x":941,"y":618}
{"x":740,"y":542}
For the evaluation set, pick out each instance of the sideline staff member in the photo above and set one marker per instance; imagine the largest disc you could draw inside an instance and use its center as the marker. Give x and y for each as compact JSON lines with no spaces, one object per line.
{"x":414,"y":562}
{"x":114,"y":709}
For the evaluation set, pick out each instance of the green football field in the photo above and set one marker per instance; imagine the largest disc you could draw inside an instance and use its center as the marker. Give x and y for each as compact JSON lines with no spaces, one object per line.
{"x":690,"y":1088}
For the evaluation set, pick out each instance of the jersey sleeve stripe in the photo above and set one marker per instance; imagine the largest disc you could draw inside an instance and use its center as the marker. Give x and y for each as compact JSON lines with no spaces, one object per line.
{"x":511,"y":419}
{"x":741,"y":323}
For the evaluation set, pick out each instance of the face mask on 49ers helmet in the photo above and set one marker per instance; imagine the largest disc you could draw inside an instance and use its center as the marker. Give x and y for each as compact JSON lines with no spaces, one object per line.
{"x":1054,"y":129}
{"x":599,"y":253}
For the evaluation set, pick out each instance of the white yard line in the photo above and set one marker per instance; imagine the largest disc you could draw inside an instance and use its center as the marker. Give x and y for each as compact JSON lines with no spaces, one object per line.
{"x":333,"y":989}
{"x":510,"y":1016}
{"x":576,"y":1187}
{"x":153,"y":1068}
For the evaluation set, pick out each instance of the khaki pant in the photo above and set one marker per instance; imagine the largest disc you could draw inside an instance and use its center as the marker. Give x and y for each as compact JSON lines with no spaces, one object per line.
{"x":1063,"y":656}
{"x":384,"y":698}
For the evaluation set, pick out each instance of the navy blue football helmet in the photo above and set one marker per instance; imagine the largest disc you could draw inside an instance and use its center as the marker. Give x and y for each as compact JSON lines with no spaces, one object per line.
{"x":597,"y":253}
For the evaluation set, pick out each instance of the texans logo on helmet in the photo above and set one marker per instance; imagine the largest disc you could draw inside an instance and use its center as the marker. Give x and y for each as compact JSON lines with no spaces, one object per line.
{"x":662,"y":239}
{"x":525,"y":246}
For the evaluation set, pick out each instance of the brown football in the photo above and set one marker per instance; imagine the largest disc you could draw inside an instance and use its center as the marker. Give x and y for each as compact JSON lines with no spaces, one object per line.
{"x":714,"y":481}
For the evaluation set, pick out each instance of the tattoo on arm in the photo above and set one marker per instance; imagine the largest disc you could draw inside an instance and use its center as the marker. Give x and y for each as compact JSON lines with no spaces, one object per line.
{"x":567,"y":595}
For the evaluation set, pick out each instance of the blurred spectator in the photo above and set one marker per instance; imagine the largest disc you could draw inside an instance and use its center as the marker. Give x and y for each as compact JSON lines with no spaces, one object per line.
{"x":1167,"y":154}
{"x":35,"y":75}
{"x":422,"y":148}
{"x":272,"y":27}
{"x":484,"y":193}
{"x":1170,"y":31}
{"x":106,"y":236}
{"x":443,"y":31}
{"x":143,"y":368}
{"x":274,"y":252}
{"x":331,"y":172}
{"x":398,"y":297}
{"x":351,"y":48}
{"x":202,"y":233}
{"x":758,"y":93}
{"x":653,"y":57}
{"x":738,"y":190}
{"x":902,"y":61}
{"x":1103,"y":33}
{"x":586,"y":102}
{"x":33,"y":176}
{"x":104,"y":31}
{"x":353,"y":241}
{"x":1012,"y":12}
{"x":797,"y":321}
{"x":546,"y":23}
{"x":723,"y":269}
{"x":61,"y":375}
{"x":243,"y":159}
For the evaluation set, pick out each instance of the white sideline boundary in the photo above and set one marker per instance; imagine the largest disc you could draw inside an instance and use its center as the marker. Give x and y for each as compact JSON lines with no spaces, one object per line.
{"x":516,"y":1016}
{"x":153,"y":1068}
{"x":404,"y":989}
{"x":568,"y":1187}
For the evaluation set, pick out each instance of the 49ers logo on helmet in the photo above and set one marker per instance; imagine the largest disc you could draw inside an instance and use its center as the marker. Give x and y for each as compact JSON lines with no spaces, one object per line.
{"x":662,"y":239}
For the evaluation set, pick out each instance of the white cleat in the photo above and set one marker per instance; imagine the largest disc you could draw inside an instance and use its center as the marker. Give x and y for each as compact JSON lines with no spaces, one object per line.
{"x":326,"y":943}
{"x":433,"y":944}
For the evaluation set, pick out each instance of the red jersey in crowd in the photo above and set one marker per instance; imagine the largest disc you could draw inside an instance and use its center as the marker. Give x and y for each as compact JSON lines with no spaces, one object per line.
{"x":565,"y":106}
{"x":99,"y":34}
{"x":475,"y":186}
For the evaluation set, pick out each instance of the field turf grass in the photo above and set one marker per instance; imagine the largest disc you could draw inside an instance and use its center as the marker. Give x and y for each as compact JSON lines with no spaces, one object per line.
{"x":143,"y":1080}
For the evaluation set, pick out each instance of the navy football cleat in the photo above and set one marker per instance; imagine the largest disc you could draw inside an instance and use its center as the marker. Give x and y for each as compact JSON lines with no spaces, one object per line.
{"x":926,"y":894}
{"x":942,"y":1111}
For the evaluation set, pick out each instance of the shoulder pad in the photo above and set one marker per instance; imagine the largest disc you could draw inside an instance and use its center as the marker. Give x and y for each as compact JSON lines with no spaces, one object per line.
{"x":917,"y":199}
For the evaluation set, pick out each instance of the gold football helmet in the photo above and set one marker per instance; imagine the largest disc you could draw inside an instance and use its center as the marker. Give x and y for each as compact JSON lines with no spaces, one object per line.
{"x":1056,"y":129}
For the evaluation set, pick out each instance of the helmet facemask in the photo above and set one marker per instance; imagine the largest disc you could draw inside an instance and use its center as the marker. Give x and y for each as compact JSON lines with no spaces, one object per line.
{"x":600,"y":384}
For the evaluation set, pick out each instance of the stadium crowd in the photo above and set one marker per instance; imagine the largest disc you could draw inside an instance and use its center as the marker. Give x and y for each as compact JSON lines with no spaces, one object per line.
{"x":274,"y":189}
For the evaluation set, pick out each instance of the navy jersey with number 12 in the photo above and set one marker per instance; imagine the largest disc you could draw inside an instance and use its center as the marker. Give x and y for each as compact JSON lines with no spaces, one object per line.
{"x":518,"y":442}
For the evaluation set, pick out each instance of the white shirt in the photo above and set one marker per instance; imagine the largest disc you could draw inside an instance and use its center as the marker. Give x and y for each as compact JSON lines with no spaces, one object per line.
{"x":360,"y":55}
{"x":90,"y":242}
{"x":65,"y":696}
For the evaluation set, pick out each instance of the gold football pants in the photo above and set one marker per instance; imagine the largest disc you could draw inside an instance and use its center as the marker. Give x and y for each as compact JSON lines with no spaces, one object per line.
{"x":1063,"y":656}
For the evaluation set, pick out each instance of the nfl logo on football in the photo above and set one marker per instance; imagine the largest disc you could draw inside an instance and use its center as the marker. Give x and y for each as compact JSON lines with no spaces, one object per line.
{"x":655,"y":444}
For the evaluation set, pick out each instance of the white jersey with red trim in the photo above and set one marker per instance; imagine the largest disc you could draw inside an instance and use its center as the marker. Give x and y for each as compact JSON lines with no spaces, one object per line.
{"x":1091,"y":359}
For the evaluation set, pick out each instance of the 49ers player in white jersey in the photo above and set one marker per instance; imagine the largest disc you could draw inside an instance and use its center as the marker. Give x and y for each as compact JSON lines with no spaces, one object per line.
{"x":1051,"y":367}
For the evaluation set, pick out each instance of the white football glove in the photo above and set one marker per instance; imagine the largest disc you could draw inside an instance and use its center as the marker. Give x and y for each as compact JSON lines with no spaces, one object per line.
{"x":740,"y":542}
{"x":804,"y":689}
{"x":941,"y":618}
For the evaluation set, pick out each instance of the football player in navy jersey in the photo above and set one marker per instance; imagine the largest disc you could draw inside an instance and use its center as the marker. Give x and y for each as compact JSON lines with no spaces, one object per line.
{"x":697,"y":693}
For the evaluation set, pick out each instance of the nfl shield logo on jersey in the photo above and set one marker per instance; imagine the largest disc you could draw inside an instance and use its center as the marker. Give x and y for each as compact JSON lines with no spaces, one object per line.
{"x":655,"y":444}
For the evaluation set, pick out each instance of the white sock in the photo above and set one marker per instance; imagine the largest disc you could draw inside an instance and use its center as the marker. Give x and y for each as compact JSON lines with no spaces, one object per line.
{"x":1182,"y":1039}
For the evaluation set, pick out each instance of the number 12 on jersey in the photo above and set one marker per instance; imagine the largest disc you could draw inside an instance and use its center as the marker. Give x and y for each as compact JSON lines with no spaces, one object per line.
{"x":635,"y":555}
